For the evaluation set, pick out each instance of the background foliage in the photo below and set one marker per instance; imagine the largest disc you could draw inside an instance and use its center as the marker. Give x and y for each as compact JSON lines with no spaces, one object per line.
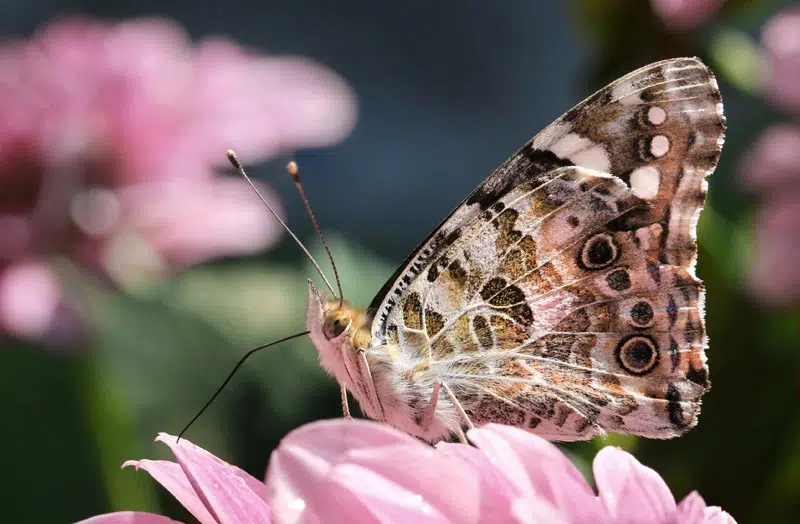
{"x":446,"y":90}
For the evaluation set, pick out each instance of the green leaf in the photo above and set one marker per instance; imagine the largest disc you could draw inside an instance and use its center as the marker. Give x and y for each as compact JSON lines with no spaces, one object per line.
{"x":738,"y":59}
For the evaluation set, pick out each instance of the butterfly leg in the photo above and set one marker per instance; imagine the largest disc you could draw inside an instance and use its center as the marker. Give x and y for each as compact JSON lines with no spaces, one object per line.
{"x":345,"y":405}
{"x":366,"y":376}
{"x":461,"y":436}
{"x":430,"y":410}
{"x":458,"y":406}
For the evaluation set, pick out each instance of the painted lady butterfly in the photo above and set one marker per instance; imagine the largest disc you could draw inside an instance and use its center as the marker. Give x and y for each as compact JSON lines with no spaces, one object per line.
{"x":560,"y":296}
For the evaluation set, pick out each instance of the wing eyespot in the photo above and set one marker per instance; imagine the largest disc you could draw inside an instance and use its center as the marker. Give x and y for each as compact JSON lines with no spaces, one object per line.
{"x":642,"y":314}
{"x":599,"y":252}
{"x":619,"y":280}
{"x":638,"y":355}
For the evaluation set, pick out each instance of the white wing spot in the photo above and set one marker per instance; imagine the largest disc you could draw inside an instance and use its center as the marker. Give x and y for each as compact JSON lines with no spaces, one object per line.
{"x":593,"y":158}
{"x":656,"y":115}
{"x":659,"y":146}
{"x":582,"y":151}
{"x":645,"y":181}
{"x":626,"y":94}
{"x":570,"y":144}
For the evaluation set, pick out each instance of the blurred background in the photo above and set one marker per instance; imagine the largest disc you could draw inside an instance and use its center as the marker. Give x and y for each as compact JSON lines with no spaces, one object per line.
{"x":135,"y":269}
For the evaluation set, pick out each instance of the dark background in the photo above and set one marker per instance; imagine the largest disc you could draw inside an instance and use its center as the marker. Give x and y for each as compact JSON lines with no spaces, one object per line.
{"x":446,"y":91}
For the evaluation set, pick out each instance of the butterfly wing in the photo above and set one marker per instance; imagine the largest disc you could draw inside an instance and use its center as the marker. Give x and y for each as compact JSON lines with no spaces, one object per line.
{"x":561,"y":295}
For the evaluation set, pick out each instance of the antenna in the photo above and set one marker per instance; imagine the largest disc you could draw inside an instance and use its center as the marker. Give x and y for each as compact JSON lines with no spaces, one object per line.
{"x":230,"y":376}
{"x":234,"y":160}
{"x":294,"y":172}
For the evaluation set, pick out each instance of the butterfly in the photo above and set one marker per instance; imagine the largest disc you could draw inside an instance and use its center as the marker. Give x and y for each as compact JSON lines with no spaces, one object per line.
{"x":560,"y":296}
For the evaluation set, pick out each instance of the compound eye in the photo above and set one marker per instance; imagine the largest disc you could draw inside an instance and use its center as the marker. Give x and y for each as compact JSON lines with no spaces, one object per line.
{"x":334,"y":326}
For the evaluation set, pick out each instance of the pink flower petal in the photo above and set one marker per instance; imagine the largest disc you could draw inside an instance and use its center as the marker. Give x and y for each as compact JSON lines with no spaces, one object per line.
{"x":308,"y":105}
{"x":782,"y":44}
{"x":775,"y":273}
{"x":331,"y":439}
{"x":685,"y":14}
{"x":497,"y":491}
{"x":188,"y":221}
{"x":306,"y":457}
{"x":773,"y":162}
{"x":539,"y":470}
{"x":631,"y":492}
{"x":29,"y":298}
{"x":691,"y":509}
{"x":16,"y":232}
{"x":411,"y":480}
{"x":358,"y":494}
{"x":535,"y":511}
{"x":129,"y":517}
{"x":715,"y":515}
{"x":223,"y":488}
{"x":172,"y":477}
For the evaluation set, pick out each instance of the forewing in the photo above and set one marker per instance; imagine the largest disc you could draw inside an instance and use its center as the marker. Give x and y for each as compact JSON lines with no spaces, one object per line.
{"x":615,"y":131}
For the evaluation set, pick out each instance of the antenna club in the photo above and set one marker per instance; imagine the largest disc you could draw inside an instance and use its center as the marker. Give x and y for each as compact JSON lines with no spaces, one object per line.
{"x":293,"y":170}
{"x":233,"y":159}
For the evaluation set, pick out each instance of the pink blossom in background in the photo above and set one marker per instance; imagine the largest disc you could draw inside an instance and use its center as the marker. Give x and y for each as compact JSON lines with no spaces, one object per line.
{"x":111,"y":141}
{"x":771,"y":170}
{"x":781,"y":41}
{"x":685,"y":14}
{"x":366,"y":472}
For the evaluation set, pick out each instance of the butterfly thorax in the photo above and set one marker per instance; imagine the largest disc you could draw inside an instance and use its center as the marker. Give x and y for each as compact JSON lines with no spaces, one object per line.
{"x":390,"y":384}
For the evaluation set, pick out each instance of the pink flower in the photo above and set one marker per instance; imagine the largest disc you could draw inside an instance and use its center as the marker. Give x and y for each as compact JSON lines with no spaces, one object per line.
{"x":781,"y":41}
{"x":212,"y":490}
{"x":111,"y":138}
{"x":771,"y":170}
{"x":365,"y":472}
{"x":368,"y":472}
{"x":685,"y":14}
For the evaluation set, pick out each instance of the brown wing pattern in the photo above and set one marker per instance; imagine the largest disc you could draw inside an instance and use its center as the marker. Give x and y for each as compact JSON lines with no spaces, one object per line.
{"x":561,"y":294}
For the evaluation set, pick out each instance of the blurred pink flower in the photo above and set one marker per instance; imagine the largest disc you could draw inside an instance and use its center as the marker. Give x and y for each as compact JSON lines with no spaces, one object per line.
{"x":365,"y":472}
{"x":781,"y":41}
{"x":685,"y":14}
{"x":111,"y":136}
{"x":771,"y":170}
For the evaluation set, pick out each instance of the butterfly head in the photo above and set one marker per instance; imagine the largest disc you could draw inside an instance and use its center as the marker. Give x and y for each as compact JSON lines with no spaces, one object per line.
{"x":337,"y":329}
